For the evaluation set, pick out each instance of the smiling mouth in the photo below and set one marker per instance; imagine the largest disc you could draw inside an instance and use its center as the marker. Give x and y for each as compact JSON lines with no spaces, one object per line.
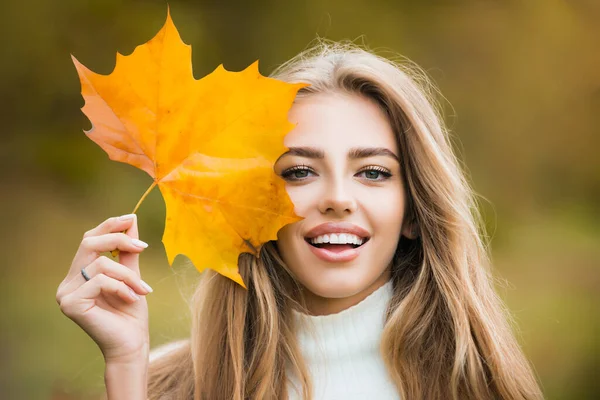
{"x":337,"y":247}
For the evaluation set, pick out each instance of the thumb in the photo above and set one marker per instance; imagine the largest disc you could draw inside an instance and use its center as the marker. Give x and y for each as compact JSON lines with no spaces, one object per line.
{"x":131,"y":260}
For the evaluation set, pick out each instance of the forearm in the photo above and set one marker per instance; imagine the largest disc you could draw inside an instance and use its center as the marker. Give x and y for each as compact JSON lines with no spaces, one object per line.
{"x":126,"y":381}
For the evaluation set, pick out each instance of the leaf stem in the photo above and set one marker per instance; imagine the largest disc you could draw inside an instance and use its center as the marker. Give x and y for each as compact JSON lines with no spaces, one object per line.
{"x":115,"y":252}
{"x":144,"y":196}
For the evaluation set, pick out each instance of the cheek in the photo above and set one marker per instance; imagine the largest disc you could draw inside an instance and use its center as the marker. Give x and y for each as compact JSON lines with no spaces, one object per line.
{"x":388,"y":209}
{"x":386,"y":213}
{"x":390,"y":223}
{"x":302,"y":198}
{"x":286,"y":238}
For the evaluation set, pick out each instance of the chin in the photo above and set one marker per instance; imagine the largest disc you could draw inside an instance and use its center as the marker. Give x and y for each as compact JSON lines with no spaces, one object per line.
{"x":339,"y":283}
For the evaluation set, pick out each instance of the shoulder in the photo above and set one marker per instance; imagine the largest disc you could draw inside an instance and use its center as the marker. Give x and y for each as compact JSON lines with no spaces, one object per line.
{"x":166,"y":348}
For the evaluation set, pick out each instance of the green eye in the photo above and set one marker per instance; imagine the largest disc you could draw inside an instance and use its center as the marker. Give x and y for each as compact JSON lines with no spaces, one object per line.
{"x":372,"y":174}
{"x":297,"y":173}
{"x":375,"y":173}
{"x":300,"y":173}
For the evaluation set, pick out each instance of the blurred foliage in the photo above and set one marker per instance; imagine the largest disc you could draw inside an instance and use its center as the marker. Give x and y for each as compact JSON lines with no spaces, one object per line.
{"x":521,"y":81}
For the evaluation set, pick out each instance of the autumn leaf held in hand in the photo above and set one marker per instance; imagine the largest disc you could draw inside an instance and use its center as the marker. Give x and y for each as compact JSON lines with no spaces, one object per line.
{"x":209,"y":144}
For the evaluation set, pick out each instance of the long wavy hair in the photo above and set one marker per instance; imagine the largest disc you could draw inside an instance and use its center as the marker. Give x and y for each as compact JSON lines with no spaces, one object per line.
{"x":447,"y":334}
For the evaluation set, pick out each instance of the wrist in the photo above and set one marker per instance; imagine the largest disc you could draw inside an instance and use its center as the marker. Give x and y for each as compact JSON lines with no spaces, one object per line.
{"x":138,"y":355}
{"x":126,"y":380}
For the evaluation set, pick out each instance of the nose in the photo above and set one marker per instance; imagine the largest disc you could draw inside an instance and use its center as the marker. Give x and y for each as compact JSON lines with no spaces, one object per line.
{"x":337,"y":199}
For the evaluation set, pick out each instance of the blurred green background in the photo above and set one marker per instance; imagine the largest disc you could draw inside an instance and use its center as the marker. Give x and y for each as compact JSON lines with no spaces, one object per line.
{"x":522,"y":86}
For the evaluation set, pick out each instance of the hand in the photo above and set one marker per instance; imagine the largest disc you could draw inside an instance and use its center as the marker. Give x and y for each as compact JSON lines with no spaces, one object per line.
{"x":111,"y":307}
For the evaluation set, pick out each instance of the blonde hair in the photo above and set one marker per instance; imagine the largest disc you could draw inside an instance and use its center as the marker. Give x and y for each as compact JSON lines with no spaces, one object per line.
{"x":447,"y":334}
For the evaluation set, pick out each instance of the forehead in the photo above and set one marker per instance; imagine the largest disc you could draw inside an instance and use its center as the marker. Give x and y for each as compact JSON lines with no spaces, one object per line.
{"x":337,"y":121}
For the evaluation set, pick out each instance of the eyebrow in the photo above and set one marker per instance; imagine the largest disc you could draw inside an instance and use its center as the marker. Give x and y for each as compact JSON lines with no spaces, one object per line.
{"x":354,"y":153}
{"x":364,"y":152}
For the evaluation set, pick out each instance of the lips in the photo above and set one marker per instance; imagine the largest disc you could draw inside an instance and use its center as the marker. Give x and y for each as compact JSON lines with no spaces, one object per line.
{"x":336,"y":252}
{"x":337,"y":227}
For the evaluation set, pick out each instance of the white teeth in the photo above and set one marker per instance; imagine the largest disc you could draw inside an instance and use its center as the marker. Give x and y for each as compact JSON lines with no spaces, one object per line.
{"x":333,"y":238}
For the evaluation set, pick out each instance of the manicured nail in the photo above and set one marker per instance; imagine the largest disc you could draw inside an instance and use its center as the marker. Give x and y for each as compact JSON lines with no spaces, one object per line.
{"x":139,"y":243}
{"x":146,"y":286}
{"x":126,"y":217}
{"x":133,"y":294}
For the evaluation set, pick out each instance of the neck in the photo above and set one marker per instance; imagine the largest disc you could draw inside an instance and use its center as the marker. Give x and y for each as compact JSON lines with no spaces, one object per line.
{"x":318,"y":305}
{"x":342,"y":353}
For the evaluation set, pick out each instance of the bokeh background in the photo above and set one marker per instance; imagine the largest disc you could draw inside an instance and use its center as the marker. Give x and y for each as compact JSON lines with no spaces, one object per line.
{"x":521,"y":81}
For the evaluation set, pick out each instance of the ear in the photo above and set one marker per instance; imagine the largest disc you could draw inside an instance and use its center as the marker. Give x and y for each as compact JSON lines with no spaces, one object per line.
{"x":410,"y":230}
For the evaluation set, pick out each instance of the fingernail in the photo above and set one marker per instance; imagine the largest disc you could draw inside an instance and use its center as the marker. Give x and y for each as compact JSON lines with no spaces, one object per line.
{"x":133,"y":294}
{"x":147,"y":287}
{"x":126,"y":217}
{"x":139,"y":243}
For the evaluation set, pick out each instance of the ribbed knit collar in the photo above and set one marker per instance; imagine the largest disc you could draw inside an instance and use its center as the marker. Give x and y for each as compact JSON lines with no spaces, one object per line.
{"x":360,"y":326}
{"x":341,"y":350}
{"x":375,"y":303}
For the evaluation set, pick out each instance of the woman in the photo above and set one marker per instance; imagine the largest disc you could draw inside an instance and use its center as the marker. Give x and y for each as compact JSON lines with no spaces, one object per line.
{"x":382,"y":291}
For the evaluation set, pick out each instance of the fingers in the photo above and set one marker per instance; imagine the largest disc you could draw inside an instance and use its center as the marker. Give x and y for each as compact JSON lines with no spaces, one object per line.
{"x":111,"y":241}
{"x":91,"y":247}
{"x":128,"y":223}
{"x":77,"y":302}
{"x":113,"y":224}
{"x":108,"y":267}
{"x":112,"y":269}
{"x":105,"y":237}
{"x":131,"y":259}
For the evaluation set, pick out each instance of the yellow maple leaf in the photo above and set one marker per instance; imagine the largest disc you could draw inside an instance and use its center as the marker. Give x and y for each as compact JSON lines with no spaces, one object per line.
{"x":209,"y":145}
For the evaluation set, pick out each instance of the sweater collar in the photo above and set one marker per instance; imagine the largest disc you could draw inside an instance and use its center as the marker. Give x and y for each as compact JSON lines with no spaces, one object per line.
{"x":353,"y":332}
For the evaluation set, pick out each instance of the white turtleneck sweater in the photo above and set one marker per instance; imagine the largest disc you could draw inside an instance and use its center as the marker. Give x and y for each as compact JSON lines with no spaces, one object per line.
{"x":341,"y":352}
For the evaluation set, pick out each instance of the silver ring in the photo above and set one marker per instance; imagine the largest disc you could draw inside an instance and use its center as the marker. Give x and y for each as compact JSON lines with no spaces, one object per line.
{"x":85,"y":275}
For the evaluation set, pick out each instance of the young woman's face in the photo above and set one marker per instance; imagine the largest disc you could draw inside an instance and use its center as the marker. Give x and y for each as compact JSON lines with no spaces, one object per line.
{"x":343,"y":176}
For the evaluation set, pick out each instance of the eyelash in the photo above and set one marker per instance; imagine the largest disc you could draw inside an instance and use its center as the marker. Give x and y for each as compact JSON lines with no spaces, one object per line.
{"x":288,"y":173}
{"x":383,"y":171}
